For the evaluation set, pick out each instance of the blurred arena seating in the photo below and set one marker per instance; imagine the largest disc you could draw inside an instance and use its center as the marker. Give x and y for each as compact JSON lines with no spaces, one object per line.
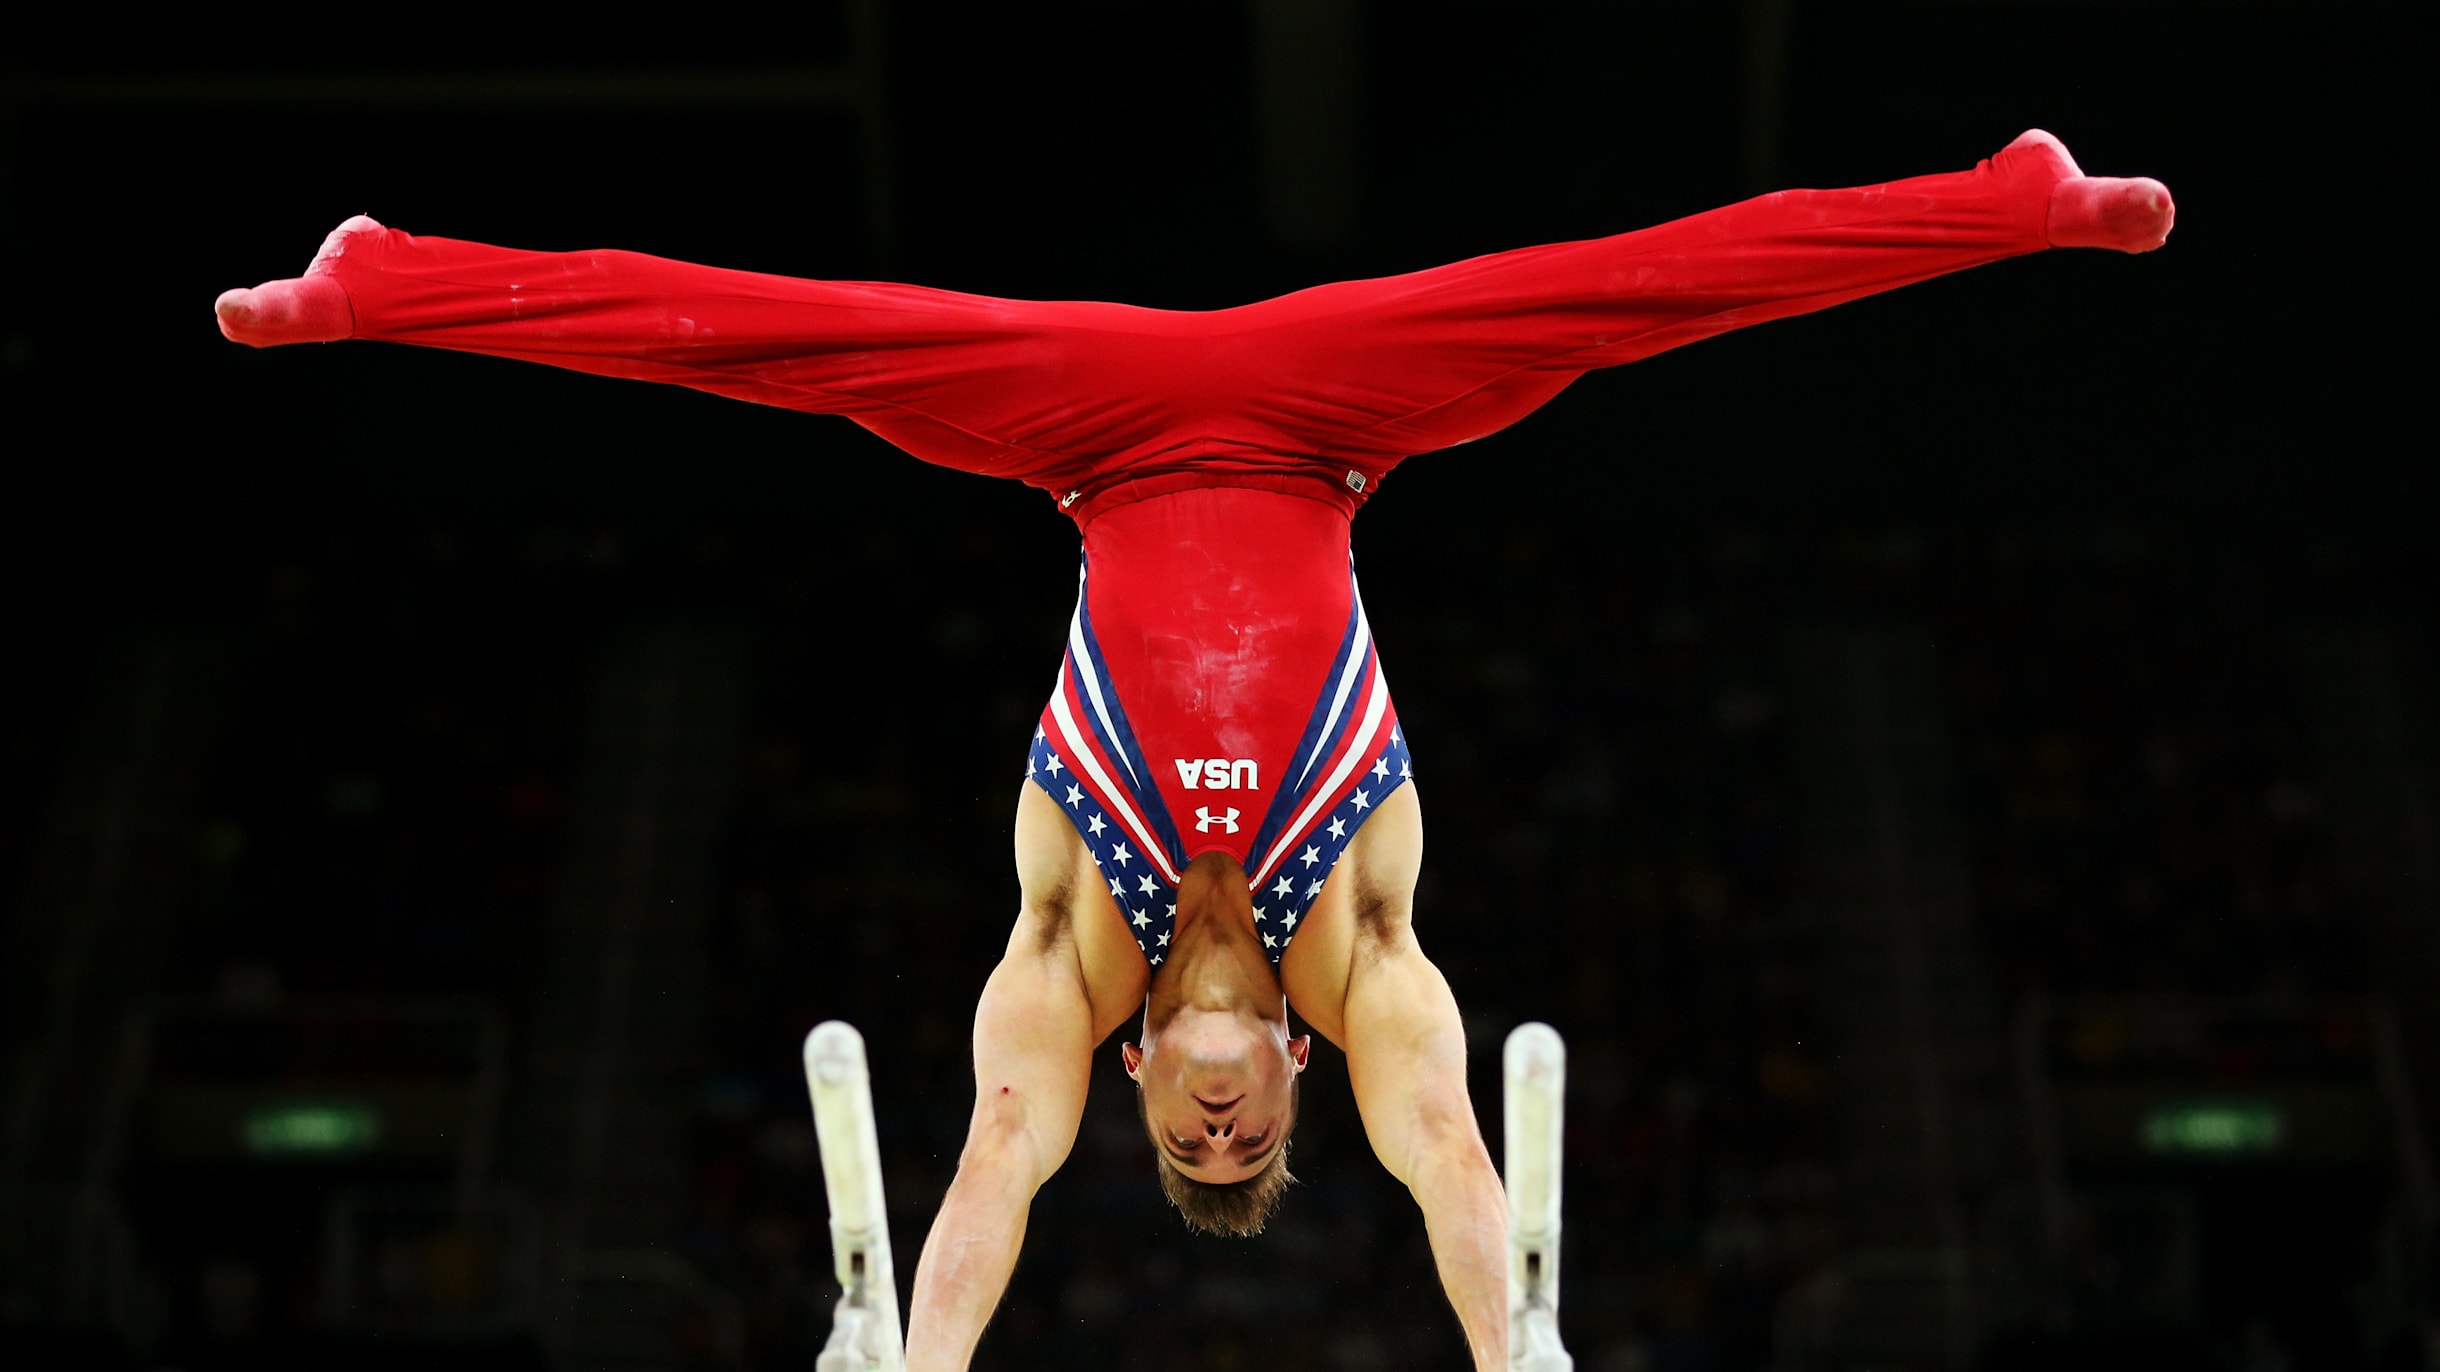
{"x":374,"y":849}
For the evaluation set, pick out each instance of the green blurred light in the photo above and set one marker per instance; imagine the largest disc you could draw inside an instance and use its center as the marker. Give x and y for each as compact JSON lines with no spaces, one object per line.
{"x":2214,"y":1128}
{"x":311,"y":1128}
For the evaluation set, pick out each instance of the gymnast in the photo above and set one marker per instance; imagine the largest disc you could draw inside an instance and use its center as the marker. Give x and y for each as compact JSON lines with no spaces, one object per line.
{"x":1217,"y":824}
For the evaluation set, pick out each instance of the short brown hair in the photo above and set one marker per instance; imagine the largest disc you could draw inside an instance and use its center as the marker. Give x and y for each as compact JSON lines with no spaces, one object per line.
{"x":1230,"y":1210}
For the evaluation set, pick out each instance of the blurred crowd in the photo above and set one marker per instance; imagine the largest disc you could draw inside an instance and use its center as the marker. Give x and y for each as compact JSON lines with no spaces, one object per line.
{"x":1599,"y":732}
{"x":2145,"y":811}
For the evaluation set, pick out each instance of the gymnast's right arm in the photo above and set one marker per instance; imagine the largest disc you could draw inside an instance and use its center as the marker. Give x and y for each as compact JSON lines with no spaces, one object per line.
{"x":1034,"y":1033}
{"x":1033,"y":1044}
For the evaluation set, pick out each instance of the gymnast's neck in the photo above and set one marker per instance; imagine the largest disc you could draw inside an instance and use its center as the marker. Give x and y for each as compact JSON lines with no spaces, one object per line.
{"x":1216,"y":961}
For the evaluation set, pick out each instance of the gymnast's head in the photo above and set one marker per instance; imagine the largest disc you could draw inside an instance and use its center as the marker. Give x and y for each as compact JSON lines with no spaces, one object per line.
{"x":1216,"y":1073}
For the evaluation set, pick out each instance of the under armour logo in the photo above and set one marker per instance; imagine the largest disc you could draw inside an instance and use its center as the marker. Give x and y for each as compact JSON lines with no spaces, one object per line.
{"x":1205,"y":819}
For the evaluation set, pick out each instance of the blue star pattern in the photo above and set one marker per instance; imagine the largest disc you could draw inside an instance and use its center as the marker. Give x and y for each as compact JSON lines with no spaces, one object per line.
{"x":1282,"y":901}
{"x":1149,"y":903}
{"x":1145,"y":899}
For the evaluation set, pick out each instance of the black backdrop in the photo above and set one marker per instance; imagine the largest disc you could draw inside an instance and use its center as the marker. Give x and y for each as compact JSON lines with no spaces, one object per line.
{"x":378,"y":520}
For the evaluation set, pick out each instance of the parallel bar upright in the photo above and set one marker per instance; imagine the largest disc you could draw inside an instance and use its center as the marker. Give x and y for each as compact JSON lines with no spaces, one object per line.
{"x":865,"y":1334}
{"x":1534,"y":1108}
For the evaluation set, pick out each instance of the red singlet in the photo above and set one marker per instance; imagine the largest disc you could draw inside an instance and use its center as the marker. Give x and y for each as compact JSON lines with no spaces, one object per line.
{"x":1221,"y":692}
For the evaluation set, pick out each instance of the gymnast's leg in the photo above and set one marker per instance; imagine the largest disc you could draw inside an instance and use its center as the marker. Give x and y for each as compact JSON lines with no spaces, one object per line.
{"x":1036,"y":391}
{"x":1369,"y":372}
{"x":1052,"y":393}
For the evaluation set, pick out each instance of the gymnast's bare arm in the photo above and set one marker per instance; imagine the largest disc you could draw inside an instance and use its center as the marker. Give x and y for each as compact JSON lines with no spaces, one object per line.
{"x":1059,"y":989}
{"x":1366,"y":986}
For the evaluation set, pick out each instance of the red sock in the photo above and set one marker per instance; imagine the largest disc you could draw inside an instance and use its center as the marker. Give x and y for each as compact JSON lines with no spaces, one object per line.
{"x":2128,"y":213}
{"x":312,"y":308}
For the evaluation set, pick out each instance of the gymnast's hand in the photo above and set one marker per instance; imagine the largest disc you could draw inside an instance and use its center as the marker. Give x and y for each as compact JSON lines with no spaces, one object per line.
{"x":312,"y":308}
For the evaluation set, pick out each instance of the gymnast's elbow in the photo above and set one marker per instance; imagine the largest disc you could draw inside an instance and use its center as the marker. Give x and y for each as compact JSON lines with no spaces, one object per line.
{"x":1447,"y":1155}
{"x":1006,"y":1148}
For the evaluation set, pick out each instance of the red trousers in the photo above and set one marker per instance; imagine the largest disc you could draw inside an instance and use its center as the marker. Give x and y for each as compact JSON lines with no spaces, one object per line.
{"x":1319,"y":392}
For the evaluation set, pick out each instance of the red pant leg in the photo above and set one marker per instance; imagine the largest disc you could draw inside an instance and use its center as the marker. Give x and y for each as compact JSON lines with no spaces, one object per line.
{"x":1099,"y":402}
{"x":1046,"y":393}
{"x":1364,"y":373}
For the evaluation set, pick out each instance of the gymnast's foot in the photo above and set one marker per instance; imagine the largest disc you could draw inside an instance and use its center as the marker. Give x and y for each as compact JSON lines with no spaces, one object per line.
{"x":2129,"y":213}
{"x":312,"y":308}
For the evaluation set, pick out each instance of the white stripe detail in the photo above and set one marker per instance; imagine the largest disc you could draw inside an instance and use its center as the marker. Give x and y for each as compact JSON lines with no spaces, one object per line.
{"x":1373,"y":709}
{"x":1081,"y":754}
{"x":1347,"y":678}
{"x":1092,"y":683}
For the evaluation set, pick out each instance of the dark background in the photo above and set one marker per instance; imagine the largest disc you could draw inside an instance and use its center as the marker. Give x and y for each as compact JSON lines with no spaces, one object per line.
{"x":316,"y":661}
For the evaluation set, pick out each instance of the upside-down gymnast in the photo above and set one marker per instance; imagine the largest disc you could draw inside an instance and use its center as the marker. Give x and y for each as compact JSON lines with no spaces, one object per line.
{"x":1216,"y":816}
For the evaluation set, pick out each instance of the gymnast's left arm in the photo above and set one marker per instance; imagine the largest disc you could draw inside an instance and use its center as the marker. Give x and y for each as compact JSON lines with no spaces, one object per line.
{"x":1406,"y":1054}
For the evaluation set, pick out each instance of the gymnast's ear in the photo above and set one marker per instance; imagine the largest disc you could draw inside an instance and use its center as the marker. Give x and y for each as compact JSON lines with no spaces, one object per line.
{"x":1299,"y":1049}
{"x":1133,"y":1057}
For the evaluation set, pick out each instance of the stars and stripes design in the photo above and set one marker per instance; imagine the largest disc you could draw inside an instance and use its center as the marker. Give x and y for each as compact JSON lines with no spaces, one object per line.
{"x":1351,"y":754}
{"x":1286,"y":887}
{"x":1144,"y":886}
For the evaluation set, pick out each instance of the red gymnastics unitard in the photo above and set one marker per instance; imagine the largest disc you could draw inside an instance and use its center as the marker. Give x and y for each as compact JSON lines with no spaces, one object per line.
{"x":1221,"y":691}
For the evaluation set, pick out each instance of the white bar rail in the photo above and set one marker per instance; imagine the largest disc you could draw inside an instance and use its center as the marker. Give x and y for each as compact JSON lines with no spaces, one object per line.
{"x":1535,"y":1116}
{"x":864,"y":1331}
